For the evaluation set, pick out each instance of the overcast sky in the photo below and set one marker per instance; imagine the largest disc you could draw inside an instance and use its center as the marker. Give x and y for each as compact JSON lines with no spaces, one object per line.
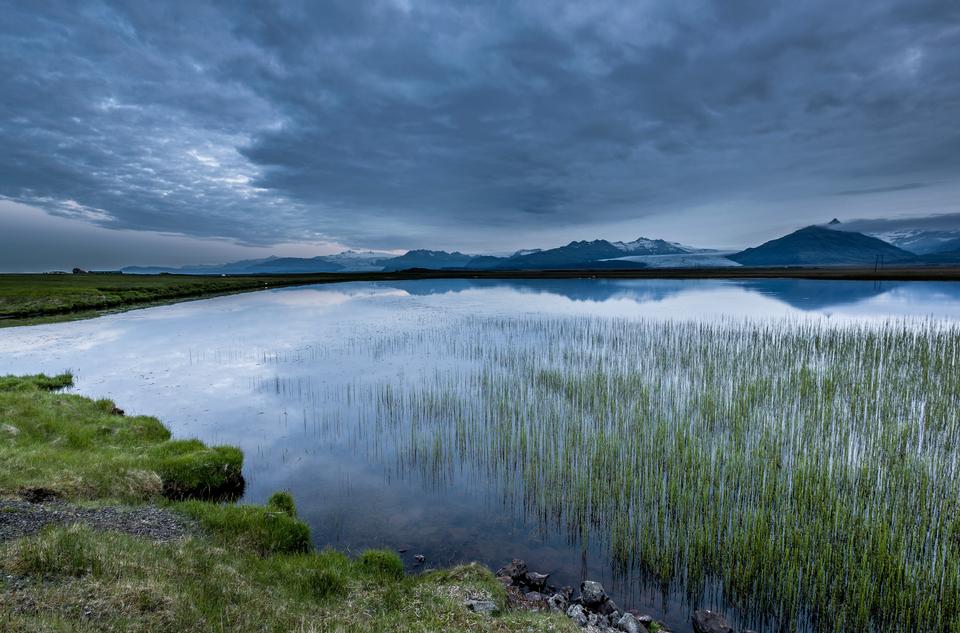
{"x":197,"y":131}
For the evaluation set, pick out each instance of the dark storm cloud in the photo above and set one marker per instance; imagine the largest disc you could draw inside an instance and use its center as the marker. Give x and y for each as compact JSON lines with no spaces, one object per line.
{"x":413,"y":123}
{"x":907,"y":186}
{"x":940,"y":222}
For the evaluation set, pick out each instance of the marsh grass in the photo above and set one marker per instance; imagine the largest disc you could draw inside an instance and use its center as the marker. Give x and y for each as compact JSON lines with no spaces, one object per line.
{"x":810,"y":467}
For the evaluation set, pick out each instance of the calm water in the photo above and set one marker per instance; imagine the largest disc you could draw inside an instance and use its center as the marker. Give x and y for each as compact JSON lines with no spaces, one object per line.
{"x":280,"y":373}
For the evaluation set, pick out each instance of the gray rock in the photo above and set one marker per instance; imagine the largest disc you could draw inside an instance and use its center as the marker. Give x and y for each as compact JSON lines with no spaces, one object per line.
{"x":577,"y":614}
{"x":9,"y":429}
{"x":645,"y":620}
{"x":567,"y":592}
{"x":709,"y":622}
{"x":419,"y":558}
{"x":535,"y":580}
{"x":608,"y":607}
{"x":592,"y":594}
{"x":516,"y":570}
{"x":534,"y":596}
{"x":481,"y":606}
{"x":557,"y":603}
{"x":629,"y":624}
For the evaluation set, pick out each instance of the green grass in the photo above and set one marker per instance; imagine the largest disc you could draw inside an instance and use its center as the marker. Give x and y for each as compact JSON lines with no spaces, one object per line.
{"x":80,"y":449}
{"x":246,"y":569}
{"x":84,"y":581}
{"x":27,"y":299}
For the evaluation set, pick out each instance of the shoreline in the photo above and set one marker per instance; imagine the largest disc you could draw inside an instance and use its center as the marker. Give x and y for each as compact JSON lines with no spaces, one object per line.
{"x":47,"y":288}
{"x":121,"y":528}
{"x":123,"y":496}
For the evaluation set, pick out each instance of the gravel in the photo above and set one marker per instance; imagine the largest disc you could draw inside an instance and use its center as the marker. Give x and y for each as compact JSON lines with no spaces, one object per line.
{"x":19,"y":518}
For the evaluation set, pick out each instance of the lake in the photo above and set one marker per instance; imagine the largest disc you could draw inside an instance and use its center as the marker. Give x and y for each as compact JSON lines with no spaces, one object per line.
{"x":378,"y":404}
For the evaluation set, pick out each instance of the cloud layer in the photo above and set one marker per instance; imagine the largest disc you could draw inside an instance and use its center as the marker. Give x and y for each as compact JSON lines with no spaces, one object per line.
{"x":438,"y":123}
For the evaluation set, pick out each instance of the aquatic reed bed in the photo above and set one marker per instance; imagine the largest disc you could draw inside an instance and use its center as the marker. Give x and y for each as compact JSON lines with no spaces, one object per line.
{"x":811,"y":467}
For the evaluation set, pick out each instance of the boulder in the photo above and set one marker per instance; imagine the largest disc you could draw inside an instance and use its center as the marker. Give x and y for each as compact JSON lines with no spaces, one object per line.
{"x":709,"y":622}
{"x":557,"y":603}
{"x":481,"y":606}
{"x":608,"y":607}
{"x":592,"y":594}
{"x":534,"y":596}
{"x":516,"y":571}
{"x":567,"y":592}
{"x":535,"y":580}
{"x":577,"y":614}
{"x":629,"y":624}
{"x":9,"y":429}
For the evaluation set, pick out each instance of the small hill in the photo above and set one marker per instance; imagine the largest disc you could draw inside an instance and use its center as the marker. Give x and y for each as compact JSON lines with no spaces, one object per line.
{"x":821,"y":246}
{"x":426,"y":259}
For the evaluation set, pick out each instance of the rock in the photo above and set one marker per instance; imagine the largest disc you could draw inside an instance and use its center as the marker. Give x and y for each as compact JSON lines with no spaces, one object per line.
{"x":629,"y":624}
{"x":709,"y":622}
{"x":557,"y":603}
{"x":516,"y":571}
{"x":535,"y":580}
{"x":117,"y":411}
{"x":645,"y":620}
{"x":481,"y":606}
{"x":567,"y":592}
{"x":9,"y":429}
{"x":420,"y":559}
{"x":592,"y":594}
{"x":577,"y":614}
{"x":534,"y":596}
{"x":608,"y":607}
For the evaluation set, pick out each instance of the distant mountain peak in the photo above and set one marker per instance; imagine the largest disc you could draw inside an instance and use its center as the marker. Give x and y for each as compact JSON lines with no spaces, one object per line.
{"x":646,"y":246}
{"x":821,"y":246}
{"x":833,"y":221}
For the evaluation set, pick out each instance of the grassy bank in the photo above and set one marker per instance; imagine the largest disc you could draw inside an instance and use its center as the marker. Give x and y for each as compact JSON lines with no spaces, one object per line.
{"x":29,"y":299}
{"x":243,"y":567}
{"x":39,"y":298}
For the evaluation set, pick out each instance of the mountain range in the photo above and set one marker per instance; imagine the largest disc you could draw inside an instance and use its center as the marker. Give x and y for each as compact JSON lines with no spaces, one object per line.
{"x":831,"y":244}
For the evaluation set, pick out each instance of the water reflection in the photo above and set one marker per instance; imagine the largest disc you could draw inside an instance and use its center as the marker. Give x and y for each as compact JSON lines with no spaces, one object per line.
{"x":276,"y":372}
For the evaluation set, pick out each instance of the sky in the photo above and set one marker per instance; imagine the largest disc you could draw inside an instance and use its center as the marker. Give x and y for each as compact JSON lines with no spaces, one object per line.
{"x":179,"y":132}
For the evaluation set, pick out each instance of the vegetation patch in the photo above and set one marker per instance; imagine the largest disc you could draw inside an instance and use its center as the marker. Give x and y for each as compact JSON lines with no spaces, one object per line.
{"x":808,"y":469}
{"x":78,"y":448}
{"x":246,"y":569}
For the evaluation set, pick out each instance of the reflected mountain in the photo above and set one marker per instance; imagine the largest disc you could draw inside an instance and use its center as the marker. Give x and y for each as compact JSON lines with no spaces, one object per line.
{"x":801,"y":294}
